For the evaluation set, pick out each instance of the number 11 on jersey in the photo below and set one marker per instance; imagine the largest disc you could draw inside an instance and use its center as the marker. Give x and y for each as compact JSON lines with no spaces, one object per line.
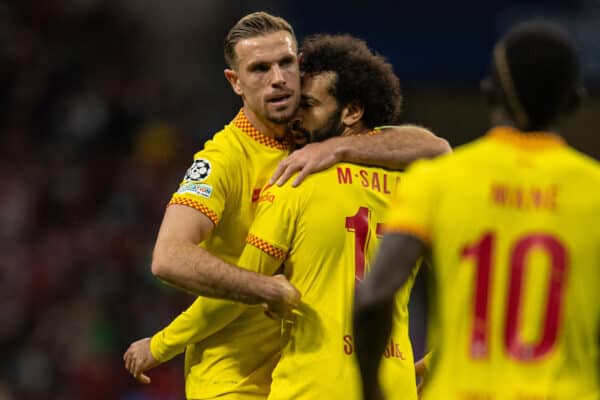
{"x":359,"y":224}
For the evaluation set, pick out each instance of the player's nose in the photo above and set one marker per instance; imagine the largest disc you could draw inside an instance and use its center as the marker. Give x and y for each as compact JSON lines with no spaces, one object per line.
{"x":277,"y":76}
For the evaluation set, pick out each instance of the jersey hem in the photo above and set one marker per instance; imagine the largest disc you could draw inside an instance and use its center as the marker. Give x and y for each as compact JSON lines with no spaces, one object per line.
{"x":183,"y":201}
{"x":266,"y":247}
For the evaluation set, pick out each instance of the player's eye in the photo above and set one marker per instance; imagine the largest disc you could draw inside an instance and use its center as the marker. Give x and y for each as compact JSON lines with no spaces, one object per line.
{"x":259,"y":68}
{"x":305,"y":104}
{"x":286,"y":62}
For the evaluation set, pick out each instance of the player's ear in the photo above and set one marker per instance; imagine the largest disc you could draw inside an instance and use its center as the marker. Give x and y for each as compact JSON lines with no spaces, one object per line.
{"x":352,"y":113}
{"x":234,"y":81}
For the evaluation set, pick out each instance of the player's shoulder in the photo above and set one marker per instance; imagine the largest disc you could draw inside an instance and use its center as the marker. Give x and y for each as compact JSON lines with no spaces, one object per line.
{"x":287,"y":191}
{"x":583,"y":162}
{"x":582,"y":170}
{"x":468,"y":153}
{"x":344,"y":178}
{"x":227,"y":141}
{"x":224,"y":149}
{"x":329,"y":177}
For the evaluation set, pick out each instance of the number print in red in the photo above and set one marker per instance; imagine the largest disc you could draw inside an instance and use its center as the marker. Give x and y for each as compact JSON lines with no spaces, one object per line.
{"x":482,"y":251}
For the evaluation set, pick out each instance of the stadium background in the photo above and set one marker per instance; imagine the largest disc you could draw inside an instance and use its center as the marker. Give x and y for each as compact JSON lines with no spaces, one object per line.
{"x":103,"y":103}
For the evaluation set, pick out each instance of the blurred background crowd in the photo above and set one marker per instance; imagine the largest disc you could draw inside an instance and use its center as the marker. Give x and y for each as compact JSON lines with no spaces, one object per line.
{"x":102,"y":105}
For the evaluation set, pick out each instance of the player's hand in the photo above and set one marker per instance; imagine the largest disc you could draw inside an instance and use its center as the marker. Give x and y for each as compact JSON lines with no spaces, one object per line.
{"x":311,"y":158}
{"x":420,"y":371}
{"x":287,"y":301}
{"x":139,"y":359}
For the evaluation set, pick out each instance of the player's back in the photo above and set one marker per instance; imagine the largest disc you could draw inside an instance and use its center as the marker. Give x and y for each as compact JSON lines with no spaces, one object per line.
{"x":516,"y":251}
{"x":335,"y":235}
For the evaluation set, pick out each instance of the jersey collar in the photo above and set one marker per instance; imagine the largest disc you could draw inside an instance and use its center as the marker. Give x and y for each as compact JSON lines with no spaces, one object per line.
{"x":241,"y":122}
{"x":528,"y":141}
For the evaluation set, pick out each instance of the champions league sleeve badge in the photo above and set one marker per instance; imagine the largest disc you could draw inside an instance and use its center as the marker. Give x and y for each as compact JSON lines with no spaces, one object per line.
{"x":199,"y":171}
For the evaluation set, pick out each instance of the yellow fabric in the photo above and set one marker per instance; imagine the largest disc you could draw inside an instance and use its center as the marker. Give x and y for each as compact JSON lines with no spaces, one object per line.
{"x":527,"y":207}
{"x":233,"y":349}
{"x":319,"y":225}
{"x":427,"y":360}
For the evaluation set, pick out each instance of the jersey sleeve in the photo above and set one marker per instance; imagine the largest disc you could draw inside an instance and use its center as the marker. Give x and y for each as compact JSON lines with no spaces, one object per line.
{"x":255,"y":258}
{"x":206,"y":184}
{"x":412,"y":205}
{"x":273,"y":229}
{"x":203,"y":318}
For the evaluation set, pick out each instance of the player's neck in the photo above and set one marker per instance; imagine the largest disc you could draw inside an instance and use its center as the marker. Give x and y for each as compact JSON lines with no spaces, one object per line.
{"x":356,"y":129}
{"x":500,"y":117}
{"x":267,"y":128}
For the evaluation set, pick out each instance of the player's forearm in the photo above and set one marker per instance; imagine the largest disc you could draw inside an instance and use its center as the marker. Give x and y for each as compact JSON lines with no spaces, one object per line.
{"x":195,"y":270}
{"x":163,"y":349}
{"x":374,"y":300}
{"x":372,"y":328}
{"x":394,"y":147}
{"x":203,"y":318}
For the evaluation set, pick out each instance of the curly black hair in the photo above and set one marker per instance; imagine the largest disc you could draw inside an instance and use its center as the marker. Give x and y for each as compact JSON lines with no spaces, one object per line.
{"x":363,"y":76}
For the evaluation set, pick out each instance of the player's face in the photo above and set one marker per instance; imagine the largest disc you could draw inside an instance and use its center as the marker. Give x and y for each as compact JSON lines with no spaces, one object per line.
{"x":268,"y":75}
{"x":319,"y":114}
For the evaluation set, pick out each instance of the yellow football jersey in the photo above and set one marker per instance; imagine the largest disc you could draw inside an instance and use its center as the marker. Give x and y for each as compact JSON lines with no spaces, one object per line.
{"x":512,"y":224}
{"x":326,"y":232}
{"x":228,"y":355}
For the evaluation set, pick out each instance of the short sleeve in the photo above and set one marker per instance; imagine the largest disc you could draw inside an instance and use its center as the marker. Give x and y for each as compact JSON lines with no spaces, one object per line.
{"x":205,"y":185}
{"x":412,"y":205}
{"x":274,"y":224}
{"x":258,"y":260}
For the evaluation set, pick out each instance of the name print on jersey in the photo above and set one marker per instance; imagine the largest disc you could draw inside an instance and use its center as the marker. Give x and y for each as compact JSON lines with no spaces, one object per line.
{"x":391,"y":350}
{"x":379,"y":182}
{"x":524,"y":198}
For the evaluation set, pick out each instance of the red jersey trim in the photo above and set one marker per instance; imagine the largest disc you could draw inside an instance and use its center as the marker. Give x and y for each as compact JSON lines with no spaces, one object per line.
{"x":528,"y":141}
{"x":197,"y":206}
{"x":267,"y":247}
{"x":241,"y":122}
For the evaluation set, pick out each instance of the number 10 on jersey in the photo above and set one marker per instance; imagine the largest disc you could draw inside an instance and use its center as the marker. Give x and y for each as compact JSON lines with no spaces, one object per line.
{"x":482,"y":254}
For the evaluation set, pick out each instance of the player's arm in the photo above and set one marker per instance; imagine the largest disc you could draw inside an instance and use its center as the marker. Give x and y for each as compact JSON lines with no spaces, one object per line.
{"x":374,"y":303}
{"x":203,"y":318}
{"x":179,"y":261}
{"x":207,"y":316}
{"x":265,"y":259}
{"x":270,"y":238}
{"x":392,"y":147}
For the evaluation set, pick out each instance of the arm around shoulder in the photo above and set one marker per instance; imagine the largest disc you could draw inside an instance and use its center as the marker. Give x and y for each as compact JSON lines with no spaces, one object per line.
{"x":425,"y":143}
{"x":393,"y":147}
